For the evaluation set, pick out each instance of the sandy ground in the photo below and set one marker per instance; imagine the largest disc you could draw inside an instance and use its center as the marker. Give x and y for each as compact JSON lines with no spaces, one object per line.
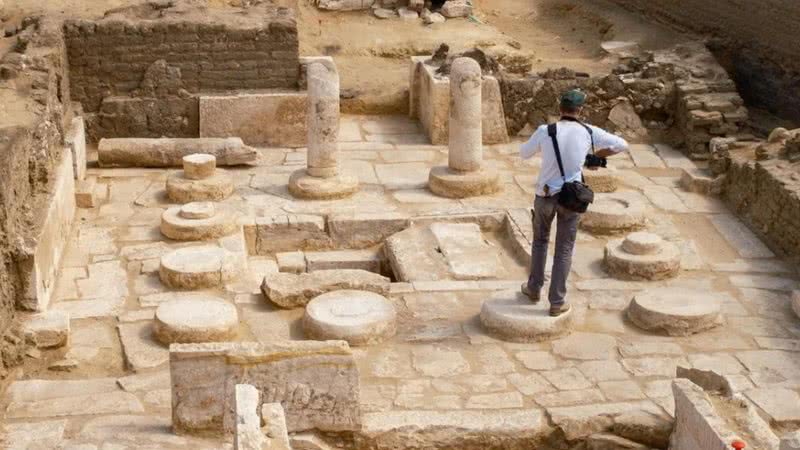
{"x":372,"y":54}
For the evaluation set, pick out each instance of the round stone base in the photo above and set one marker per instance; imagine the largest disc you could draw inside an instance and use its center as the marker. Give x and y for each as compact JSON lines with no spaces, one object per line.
{"x":358,"y":317}
{"x":304,"y":186}
{"x":602,"y":181}
{"x":198,"y":267}
{"x":675,"y":311}
{"x":202,"y":319}
{"x":216,"y":188}
{"x":664,"y":262}
{"x":613,"y":213}
{"x":511,"y":316}
{"x":175,"y":226}
{"x":451,"y":184}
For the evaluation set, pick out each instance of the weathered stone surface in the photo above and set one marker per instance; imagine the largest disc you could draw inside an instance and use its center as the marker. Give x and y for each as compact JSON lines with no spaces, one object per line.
{"x":791,"y":441}
{"x":456,"y":8}
{"x":273,"y":419}
{"x":292,"y":291}
{"x":468,"y":255}
{"x":344,"y":5}
{"x":607,"y":441}
{"x":26,"y":391}
{"x":248,"y":434}
{"x":464,"y":430}
{"x":397,"y":176}
{"x":358,"y":317}
{"x":663,"y":262}
{"x":369,"y":260}
{"x":586,"y":346}
{"x":511,"y":316}
{"x":446,"y":182}
{"x":154,"y":431}
{"x":199,"y":166}
{"x":782,"y":406}
{"x":169,"y":152}
{"x":675,"y":311}
{"x":38,"y":435}
{"x":796,"y":302}
{"x":209,"y":319}
{"x":181,"y":189}
{"x":602,"y":181}
{"x":654,"y":366}
{"x":199,"y":267}
{"x":271,"y":119}
{"x":75,"y":139}
{"x":359,"y":230}
{"x":581,"y":421}
{"x":434,"y":361}
{"x":308,"y":187}
{"x":611,"y":213}
{"x":646,"y":428}
{"x":697,"y":423}
{"x":48,"y":330}
{"x":746,"y":243}
{"x":139,"y":346}
{"x":102,"y":403}
{"x":291,"y":262}
{"x":317,"y":382}
{"x":284,"y":233}
{"x":219,"y":222}
{"x":150,"y":381}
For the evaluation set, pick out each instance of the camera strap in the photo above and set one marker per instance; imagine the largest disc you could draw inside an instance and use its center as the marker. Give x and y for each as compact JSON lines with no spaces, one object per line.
{"x":552,"y":130}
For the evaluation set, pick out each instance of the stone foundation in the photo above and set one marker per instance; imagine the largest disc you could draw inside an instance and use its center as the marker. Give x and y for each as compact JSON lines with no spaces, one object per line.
{"x":315,"y":382}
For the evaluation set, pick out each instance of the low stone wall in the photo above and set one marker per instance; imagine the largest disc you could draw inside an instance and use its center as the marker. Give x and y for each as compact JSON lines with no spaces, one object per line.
{"x":35,"y":97}
{"x":766,"y":195}
{"x":316,"y":383}
{"x":697,"y":424}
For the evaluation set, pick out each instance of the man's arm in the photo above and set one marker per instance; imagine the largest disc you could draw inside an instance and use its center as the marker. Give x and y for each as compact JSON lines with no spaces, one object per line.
{"x":534,"y":145}
{"x":607,"y":143}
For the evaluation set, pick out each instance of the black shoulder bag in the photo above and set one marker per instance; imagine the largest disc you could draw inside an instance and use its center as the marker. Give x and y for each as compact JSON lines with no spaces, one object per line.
{"x":575,"y":195}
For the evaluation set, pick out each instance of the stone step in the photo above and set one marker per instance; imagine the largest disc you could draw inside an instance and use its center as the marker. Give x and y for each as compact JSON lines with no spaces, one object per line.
{"x":369,"y":260}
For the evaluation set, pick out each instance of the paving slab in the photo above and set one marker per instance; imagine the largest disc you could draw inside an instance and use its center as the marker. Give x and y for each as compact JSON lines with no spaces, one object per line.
{"x":25,"y":391}
{"x":435,"y":361}
{"x":746,"y":243}
{"x":139,"y":346}
{"x":586,"y":346}
{"x":78,"y":405}
{"x":782,"y":406}
{"x":399,"y":176}
{"x":37,"y":435}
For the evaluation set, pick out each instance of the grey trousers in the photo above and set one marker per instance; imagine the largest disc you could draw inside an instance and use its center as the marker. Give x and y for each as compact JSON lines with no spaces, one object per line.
{"x":545,"y":210}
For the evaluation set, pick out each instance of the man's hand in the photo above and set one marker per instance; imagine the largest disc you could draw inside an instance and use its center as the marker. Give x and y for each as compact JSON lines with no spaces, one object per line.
{"x":604,"y":153}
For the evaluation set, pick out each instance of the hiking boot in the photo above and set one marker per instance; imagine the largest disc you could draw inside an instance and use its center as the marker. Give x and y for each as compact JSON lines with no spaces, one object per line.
{"x":534,"y":297}
{"x":556,"y":311}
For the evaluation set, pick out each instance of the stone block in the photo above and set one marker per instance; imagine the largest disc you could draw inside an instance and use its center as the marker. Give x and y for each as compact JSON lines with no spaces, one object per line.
{"x":273,"y":421}
{"x":456,"y":8}
{"x":40,"y":263}
{"x":782,"y":406}
{"x":291,"y":262}
{"x":291,"y":291}
{"x":316,"y":382}
{"x":284,"y":233}
{"x":248,"y":435}
{"x":48,"y":330}
{"x":344,"y":5}
{"x":697,"y":423}
{"x":430,"y":103}
{"x":369,"y":260}
{"x":75,"y":140}
{"x":85,"y":193}
{"x":581,"y":421}
{"x":360,"y":230}
{"x":272,"y":119}
{"x":169,"y":152}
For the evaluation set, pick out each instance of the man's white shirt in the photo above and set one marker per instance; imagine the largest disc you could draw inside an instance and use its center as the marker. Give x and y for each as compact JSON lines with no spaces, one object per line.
{"x":575,"y":143}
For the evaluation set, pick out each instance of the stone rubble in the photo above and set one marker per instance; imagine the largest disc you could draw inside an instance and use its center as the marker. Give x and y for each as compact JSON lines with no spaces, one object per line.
{"x":293,"y":291}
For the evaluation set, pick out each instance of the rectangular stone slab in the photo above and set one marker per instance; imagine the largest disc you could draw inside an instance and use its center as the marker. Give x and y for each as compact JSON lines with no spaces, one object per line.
{"x":272,"y":119}
{"x":316,"y":383}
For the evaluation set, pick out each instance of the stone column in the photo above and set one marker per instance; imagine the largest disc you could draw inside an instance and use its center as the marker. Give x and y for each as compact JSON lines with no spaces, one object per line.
{"x":321,"y":178}
{"x":465,"y":141}
{"x":465,"y":175}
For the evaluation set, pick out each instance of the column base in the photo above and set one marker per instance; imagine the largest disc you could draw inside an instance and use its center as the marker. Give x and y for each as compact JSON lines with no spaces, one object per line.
{"x":451,"y":184}
{"x":304,"y":186}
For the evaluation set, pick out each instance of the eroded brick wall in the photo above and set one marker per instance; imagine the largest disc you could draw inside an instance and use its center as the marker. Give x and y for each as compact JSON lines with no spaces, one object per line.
{"x":141,"y":77}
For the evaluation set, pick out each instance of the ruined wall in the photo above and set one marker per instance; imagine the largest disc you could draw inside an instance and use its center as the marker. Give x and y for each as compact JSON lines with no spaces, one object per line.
{"x":137,"y":72}
{"x":757,"y":39}
{"x":33,"y":92}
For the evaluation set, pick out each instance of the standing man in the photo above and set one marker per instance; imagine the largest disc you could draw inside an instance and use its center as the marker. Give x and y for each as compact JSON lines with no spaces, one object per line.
{"x":576,"y":141}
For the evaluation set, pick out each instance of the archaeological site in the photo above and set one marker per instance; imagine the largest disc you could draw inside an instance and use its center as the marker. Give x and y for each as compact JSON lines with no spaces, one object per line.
{"x":303,"y":224}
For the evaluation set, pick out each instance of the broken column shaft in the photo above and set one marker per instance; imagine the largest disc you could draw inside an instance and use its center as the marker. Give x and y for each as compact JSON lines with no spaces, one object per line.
{"x":321,"y":178}
{"x":465,"y":175}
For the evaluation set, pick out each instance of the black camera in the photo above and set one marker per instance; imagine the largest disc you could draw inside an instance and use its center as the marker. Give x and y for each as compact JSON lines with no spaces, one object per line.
{"x":595,"y":161}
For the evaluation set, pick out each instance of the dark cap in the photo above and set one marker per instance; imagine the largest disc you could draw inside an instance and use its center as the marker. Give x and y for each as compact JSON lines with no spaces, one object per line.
{"x":573,"y":99}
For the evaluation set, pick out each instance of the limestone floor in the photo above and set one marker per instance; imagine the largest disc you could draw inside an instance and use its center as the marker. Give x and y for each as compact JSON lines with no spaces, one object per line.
{"x":118,"y":392}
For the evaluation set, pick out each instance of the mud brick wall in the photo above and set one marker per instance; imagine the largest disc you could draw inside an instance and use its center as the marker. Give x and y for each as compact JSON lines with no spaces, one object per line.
{"x":756,"y":40}
{"x":35,"y":98}
{"x":766,"y":194}
{"x":117,"y":59}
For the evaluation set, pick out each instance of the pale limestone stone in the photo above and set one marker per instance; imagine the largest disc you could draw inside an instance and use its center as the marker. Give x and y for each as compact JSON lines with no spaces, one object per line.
{"x":674,"y":311}
{"x":456,"y":8}
{"x":537,"y":360}
{"x":208,"y":319}
{"x":199,"y":267}
{"x":468,"y":255}
{"x":570,"y":398}
{"x":369,"y":260}
{"x":764,"y":282}
{"x":288,"y":232}
{"x":78,"y":405}
{"x":276,"y":118}
{"x":38,"y":435}
{"x":451,"y":183}
{"x":27,"y":391}
{"x":203,"y":224}
{"x":139,"y":346}
{"x":292,"y":291}
{"x":645,"y":156}
{"x":150,"y":381}
{"x":586,"y":346}
{"x":608,"y":441}
{"x":580,"y":421}
{"x":273,"y":421}
{"x":291,"y":262}
{"x":434,"y":361}
{"x":640,"y":426}
{"x":654,"y":366}
{"x":698,"y":425}
{"x":82,"y":309}
{"x":317,"y":382}
{"x":358,"y":317}
{"x":308,"y":187}
{"x":169,"y":152}
{"x":402,"y":176}
{"x":48,"y":330}
{"x":746,"y":243}
{"x":199,"y":166}
{"x":791,"y":441}
{"x":511,"y":316}
{"x":530,"y":384}
{"x":141,"y":252}
{"x":521,"y":428}
{"x":662,"y":263}
{"x":323,"y":119}
{"x":85,"y":193}
{"x":567,"y":379}
{"x":601,"y":181}
{"x":500,"y":400}
{"x":359,"y":230}
{"x":248,"y":435}
{"x":609,"y":370}
{"x":126,"y":431}
{"x":616,"y":391}
{"x":639,"y":347}
{"x":665,"y":198}
{"x":611,"y":213}
{"x":181,"y":189}
{"x":782,"y":406}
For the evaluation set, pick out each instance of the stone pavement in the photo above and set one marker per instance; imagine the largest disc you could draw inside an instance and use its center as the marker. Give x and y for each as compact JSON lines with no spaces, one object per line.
{"x":117,"y":392}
